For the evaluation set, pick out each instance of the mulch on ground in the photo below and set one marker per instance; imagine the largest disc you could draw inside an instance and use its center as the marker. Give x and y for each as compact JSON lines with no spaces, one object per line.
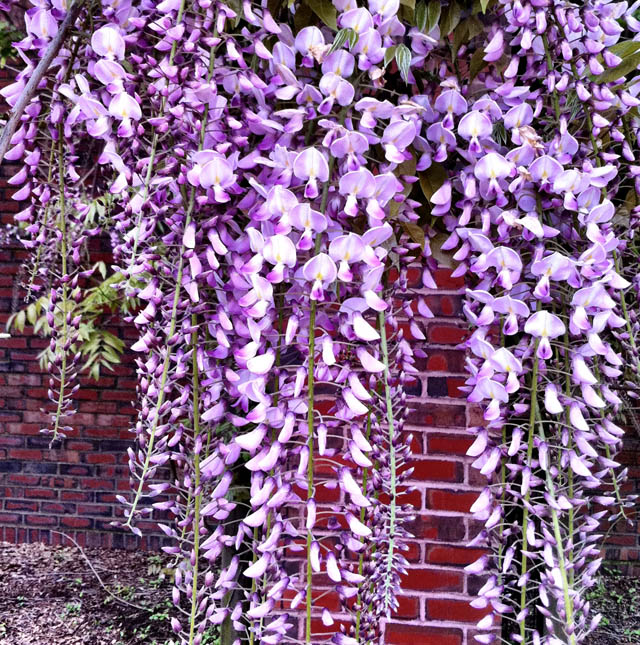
{"x":50,"y":596}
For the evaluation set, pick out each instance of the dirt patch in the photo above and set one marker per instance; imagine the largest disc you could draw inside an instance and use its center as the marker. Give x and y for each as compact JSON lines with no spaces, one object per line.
{"x":617,"y":598}
{"x":50,"y":595}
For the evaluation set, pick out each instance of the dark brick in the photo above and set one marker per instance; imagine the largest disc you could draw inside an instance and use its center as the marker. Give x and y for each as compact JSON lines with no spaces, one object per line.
{"x":437,"y":386}
{"x":10,"y":466}
{"x":40,"y":468}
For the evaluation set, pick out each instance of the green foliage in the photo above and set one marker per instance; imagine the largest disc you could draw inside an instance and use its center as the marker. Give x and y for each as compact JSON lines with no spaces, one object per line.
{"x":432,"y":179}
{"x":72,"y":608}
{"x":433,"y":14}
{"x":342,"y":37}
{"x":630,"y":62}
{"x":99,"y":348}
{"x":420,"y":16}
{"x":450,"y":18}
{"x":389,"y":54}
{"x":403,"y":60}
{"x":325,"y":10}
{"x":8,"y":35}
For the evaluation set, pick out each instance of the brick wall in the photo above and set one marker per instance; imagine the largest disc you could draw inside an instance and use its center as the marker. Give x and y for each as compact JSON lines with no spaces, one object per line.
{"x":72,"y":488}
{"x":435,"y":608}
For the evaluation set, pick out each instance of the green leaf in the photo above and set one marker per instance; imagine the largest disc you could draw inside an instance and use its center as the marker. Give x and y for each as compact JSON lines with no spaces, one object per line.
{"x":625,"y":48}
{"x":10,"y":322}
{"x":481,"y":6}
{"x":389,"y":54}
{"x":474,"y":26}
{"x":113,"y":341}
{"x":415,"y":232}
{"x":460,"y":36}
{"x":628,"y":65}
{"x":342,"y":37}
{"x":444,"y":258}
{"x":42,"y":327}
{"x":20,"y":320}
{"x":303,"y":17}
{"x":432,"y":179}
{"x":325,"y":11}
{"x":406,"y":14}
{"x":421,"y":16}
{"x":433,"y":14}
{"x":32,"y":314}
{"x":477,"y":64}
{"x":274,"y":7}
{"x":409,"y":3}
{"x":407,"y":169}
{"x":450,"y":18}
{"x":403,"y":59}
{"x":102,"y":269}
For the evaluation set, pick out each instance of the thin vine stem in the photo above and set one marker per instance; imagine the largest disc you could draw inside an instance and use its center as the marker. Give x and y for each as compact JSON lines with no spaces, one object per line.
{"x":391,"y":535}
{"x":64,"y":302}
{"x":525,"y":512}
{"x":195,"y":376}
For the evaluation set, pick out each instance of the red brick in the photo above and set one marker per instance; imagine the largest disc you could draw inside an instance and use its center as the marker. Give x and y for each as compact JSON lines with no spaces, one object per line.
{"x":399,"y":634}
{"x":437,"y":470}
{"x":454,"y":610}
{"x":322,"y":633}
{"x":408,"y":606}
{"x":40,"y":493}
{"x":443,"y":500}
{"x":442,"y":415}
{"x":99,"y":458}
{"x":457,"y":555}
{"x":430,"y":579}
{"x":435,"y":527}
{"x":41,"y":520}
{"x":453,"y":388}
{"x":10,"y":441}
{"x":437,"y":363}
{"x":446,"y":334}
{"x":24,"y":453}
{"x":444,"y":280}
{"x":448,"y":444}
{"x":19,"y":505}
{"x":74,"y":496}
{"x":76,"y":522}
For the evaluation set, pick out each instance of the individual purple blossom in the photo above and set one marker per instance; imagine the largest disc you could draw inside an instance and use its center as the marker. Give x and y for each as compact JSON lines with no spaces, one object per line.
{"x":544,"y":325}
{"x":108,"y":42}
{"x":42,"y":24}
{"x":355,"y":185}
{"x":321,"y":271}
{"x":311,"y":165}
{"x":474,"y":126}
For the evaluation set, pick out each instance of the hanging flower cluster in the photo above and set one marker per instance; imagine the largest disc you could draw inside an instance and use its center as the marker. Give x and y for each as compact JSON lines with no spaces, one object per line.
{"x":272,"y":172}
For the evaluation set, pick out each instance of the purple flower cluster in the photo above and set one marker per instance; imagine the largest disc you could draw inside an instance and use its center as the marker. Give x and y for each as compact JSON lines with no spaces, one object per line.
{"x":269,"y":170}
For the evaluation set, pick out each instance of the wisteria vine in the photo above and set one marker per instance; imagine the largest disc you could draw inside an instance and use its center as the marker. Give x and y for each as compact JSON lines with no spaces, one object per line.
{"x":266,"y":174}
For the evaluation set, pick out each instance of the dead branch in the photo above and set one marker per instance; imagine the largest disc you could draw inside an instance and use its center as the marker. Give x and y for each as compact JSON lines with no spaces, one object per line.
{"x":37,"y":76}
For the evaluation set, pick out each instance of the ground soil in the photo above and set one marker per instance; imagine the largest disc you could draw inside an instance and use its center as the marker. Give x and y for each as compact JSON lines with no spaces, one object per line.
{"x":50,"y":596}
{"x":617,"y":598}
